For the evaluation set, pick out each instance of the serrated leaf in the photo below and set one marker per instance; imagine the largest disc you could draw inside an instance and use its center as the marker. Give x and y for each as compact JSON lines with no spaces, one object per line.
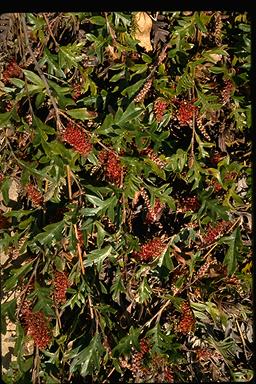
{"x":97,"y":257}
{"x":88,"y":360}
{"x":125,"y":345}
{"x":234,"y":242}
{"x":51,"y":232}
{"x":10,"y":283}
{"x":144,"y":291}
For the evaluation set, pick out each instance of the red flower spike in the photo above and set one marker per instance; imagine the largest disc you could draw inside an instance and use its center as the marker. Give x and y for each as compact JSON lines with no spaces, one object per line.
{"x":185,"y":112}
{"x":112,"y":166}
{"x":227,"y":91}
{"x":189,"y":204}
{"x":160,"y":106}
{"x":60,"y":284}
{"x":77,"y":91}
{"x":12,"y":70}
{"x":36,"y":326}
{"x":187,"y":321}
{"x":34,"y":195}
{"x":213,"y":233}
{"x":150,"y":250}
{"x":78,"y":139}
{"x":155,"y":213}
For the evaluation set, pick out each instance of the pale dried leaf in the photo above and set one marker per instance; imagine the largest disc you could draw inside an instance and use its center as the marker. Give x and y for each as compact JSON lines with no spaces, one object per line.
{"x":143,"y":26}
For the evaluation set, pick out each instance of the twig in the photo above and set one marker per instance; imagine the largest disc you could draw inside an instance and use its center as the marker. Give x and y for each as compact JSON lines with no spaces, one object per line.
{"x":50,"y":30}
{"x":110,"y":29}
{"x":69,"y":182}
{"x":90,"y":306}
{"x":79,"y":250}
{"x":23,"y":292}
{"x":35,"y":370}
{"x":240,"y":331}
{"x":39,"y":70}
{"x":157,"y":315}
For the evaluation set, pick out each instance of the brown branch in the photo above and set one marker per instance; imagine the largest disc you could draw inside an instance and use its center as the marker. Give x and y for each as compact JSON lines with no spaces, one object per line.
{"x":50,"y":30}
{"x":79,"y":250}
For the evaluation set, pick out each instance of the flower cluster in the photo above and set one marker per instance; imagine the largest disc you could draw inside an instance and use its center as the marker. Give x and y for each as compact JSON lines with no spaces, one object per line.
{"x":36,"y":326}
{"x":78,"y":139}
{"x":112,"y":166}
{"x":12,"y":70}
{"x":145,"y":367}
{"x":155,"y":213}
{"x":143,"y":92}
{"x":204,"y":268}
{"x":160,"y":106}
{"x":60,"y":283}
{"x":153,"y":157}
{"x":34,"y":195}
{"x":189,"y":204}
{"x":230,"y":176}
{"x":203,"y":354}
{"x":187,"y":321}
{"x":150,"y":250}
{"x":185,"y":112}
{"x":216,"y":157}
{"x":202,"y":129}
{"x":76,"y":91}
{"x":227,"y":91}
{"x":216,"y":185}
{"x":213,"y":233}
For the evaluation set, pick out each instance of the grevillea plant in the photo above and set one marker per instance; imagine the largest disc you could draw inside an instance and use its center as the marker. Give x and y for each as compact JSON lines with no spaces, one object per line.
{"x":125,"y":205}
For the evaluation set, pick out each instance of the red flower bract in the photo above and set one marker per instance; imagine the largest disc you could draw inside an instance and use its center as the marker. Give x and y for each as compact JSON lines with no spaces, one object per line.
{"x":75,"y":136}
{"x":12,"y":70}
{"x":60,"y":284}
{"x":213,"y":233}
{"x":160,"y":106}
{"x":34,"y":195}
{"x":36,"y":326}
{"x":150,"y":250}
{"x":185,"y":112}
{"x":112,"y":166}
{"x":187,"y":321}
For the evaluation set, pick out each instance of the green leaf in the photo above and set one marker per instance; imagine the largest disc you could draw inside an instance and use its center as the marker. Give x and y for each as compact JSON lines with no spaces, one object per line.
{"x":199,"y":23}
{"x":130,"y":113}
{"x":98,"y":20}
{"x":97,"y":257}
{"x":81,"y":114}
{"x":144,"y":291}
{"x":51,"y":232}
{"x":235,"y":243}
{"x":117,"y":76}
{"x":101,"y":233}
{"x":160,"y":341}
{"x":132,"y":89}
{"x":125,"y":345}
{"x":117,"y":287}
{"x":88,"y":360}
{"x":34,"y":78}
{"x":17,"y":273}
{"x":166,"y":260}
{"x":5,"y":189}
